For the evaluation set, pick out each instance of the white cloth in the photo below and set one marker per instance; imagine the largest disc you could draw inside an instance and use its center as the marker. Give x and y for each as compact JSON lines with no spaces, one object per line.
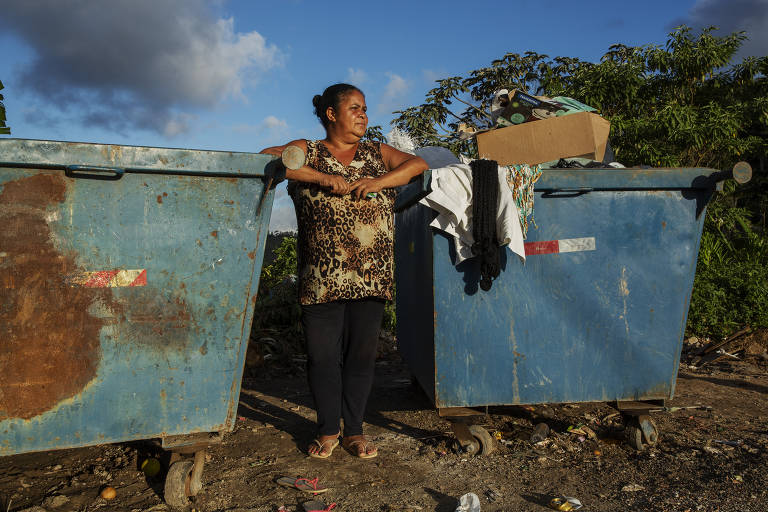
{"x":451,"y":197}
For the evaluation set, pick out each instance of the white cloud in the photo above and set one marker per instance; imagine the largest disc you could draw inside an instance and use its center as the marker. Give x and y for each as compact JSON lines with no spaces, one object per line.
{"x":356,"y":76}
{"x":273,"y":123}
{"x":396,"y":87}
{"x":270,"y":130}
{"x":394,"y":93}
{"x":136,"y":63}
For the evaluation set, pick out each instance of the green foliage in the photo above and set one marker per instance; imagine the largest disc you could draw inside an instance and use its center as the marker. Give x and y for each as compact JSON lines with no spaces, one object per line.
{"x":677,"y":105}
{"x":276,"y":304}
{"x":282,"y":266}
{"x":731,"y":286}
{"x":683,"y":104}
{"x":374,"y":134}
{"x":4,"y":130}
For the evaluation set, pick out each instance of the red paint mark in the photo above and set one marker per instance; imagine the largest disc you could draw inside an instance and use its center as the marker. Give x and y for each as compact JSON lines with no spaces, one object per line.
{"x":548,"y":247}
{"x":100,"y":279}
{"x":141,"y":280}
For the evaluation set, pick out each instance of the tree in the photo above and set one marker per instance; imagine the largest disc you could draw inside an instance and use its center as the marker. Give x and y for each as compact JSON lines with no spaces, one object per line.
{"x":683,"y":104}
{"x":4,"y":130}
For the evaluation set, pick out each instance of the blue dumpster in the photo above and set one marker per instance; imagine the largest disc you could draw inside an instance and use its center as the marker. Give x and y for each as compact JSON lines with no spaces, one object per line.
{"x":596,"y":313}
{"x":128,"y":277}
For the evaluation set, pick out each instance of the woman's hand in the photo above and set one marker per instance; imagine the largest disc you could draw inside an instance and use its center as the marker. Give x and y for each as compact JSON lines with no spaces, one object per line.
{"x":364,"y":186}
{"x":334,"y":183}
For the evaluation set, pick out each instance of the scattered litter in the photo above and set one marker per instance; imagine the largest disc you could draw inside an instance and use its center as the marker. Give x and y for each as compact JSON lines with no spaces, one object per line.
{"x":404,"y":508}
{"x":565,"y":503}
{"x":583,"y":431}
{"x":632,"y":488}
{"x":302,"y":484}
{"x":735,"y":444}
{"x":468,"y":503}
{"x":540,"y":433}
{"x":492,"y":494}
{"x":151,"y":466}
{"x":108,"y":493}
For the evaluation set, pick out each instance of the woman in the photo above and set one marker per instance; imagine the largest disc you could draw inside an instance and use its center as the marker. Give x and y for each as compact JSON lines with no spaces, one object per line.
{"x":343,"y":198}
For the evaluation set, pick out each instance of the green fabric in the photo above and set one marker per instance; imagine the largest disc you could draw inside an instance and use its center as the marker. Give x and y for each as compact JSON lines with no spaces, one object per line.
{"x":572,"y":105}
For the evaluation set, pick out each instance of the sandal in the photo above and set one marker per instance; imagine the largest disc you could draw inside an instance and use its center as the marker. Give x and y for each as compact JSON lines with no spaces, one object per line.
{"x":319,"y":454}
{"x":302,"y":484}
{"x":362,"y":450}
{"x":317,"y":506}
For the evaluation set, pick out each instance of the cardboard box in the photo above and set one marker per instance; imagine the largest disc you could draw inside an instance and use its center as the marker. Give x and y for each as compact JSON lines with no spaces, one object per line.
{"x":575,"y":135}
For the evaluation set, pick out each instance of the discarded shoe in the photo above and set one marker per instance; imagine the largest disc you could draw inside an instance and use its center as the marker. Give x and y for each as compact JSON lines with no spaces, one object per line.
{"x":302,"y":484}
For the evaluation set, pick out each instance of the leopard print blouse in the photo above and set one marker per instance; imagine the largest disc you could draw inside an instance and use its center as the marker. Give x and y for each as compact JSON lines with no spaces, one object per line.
{"x":345,"y":245}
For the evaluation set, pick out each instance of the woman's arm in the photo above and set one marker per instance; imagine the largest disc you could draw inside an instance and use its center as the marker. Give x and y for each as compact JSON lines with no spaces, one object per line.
{"x":307,"y":174}
{"x":401,"y":168}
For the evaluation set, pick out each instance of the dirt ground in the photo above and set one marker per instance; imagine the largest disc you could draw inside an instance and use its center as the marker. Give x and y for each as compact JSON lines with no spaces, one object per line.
{"x":711,"y":460}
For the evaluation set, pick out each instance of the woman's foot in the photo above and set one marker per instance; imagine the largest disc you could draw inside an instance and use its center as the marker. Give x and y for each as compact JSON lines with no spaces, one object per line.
{"x":323,"y":446}
{"x":360,"y":447}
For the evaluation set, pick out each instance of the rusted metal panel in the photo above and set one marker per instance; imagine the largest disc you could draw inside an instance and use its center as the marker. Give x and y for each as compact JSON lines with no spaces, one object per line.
{"x":121,"y":316}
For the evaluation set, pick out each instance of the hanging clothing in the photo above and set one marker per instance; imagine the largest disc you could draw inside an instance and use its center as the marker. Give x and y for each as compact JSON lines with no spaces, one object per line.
{"x":521,"y":179}
{"x":451,"y":197}
{"x":345,"y":245}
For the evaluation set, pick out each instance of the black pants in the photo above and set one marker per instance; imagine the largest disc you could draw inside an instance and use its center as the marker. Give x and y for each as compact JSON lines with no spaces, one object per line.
{"x":341,"y":338}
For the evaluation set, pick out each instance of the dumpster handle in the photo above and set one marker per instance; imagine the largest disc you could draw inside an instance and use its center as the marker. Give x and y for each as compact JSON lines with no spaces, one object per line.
{"x":94,"y":172}
{"x":568,"y":192}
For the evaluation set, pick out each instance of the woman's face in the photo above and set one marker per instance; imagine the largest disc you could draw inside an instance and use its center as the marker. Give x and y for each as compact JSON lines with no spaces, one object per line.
{"x":351,"y":116}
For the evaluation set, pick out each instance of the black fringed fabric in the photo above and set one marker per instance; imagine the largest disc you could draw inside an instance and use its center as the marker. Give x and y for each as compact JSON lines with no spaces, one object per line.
{"x":485,"y":199}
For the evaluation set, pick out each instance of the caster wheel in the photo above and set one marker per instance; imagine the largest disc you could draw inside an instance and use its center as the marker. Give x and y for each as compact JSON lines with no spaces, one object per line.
{"x":635,"y":437}
{"x":177,"y":484}
{"x":485,"y":441}
{"x":642,"y":432}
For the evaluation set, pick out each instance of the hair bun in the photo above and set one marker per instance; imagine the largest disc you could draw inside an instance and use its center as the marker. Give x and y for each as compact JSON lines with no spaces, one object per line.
{"x":316,"y":100}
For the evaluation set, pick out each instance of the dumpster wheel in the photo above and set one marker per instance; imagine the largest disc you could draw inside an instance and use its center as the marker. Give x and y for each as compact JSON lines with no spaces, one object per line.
{"x":641,"y":432}
{"x":486,"y":440}
{"x":183,"y":481}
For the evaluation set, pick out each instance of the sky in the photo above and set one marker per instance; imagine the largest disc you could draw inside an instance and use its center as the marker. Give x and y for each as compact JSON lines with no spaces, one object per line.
{"x":239,"y":75}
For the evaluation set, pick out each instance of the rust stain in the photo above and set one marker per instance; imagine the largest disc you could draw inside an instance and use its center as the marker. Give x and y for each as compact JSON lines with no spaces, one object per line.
{"x":252,"y":254}
{"x":215,"y":234}
{"x":156,"y":322}
{"x":51,"y":345}
{"x":159,"y":199}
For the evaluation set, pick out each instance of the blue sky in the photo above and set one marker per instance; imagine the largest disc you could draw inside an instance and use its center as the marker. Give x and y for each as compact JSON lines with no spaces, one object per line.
{"x":239,"y":75}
